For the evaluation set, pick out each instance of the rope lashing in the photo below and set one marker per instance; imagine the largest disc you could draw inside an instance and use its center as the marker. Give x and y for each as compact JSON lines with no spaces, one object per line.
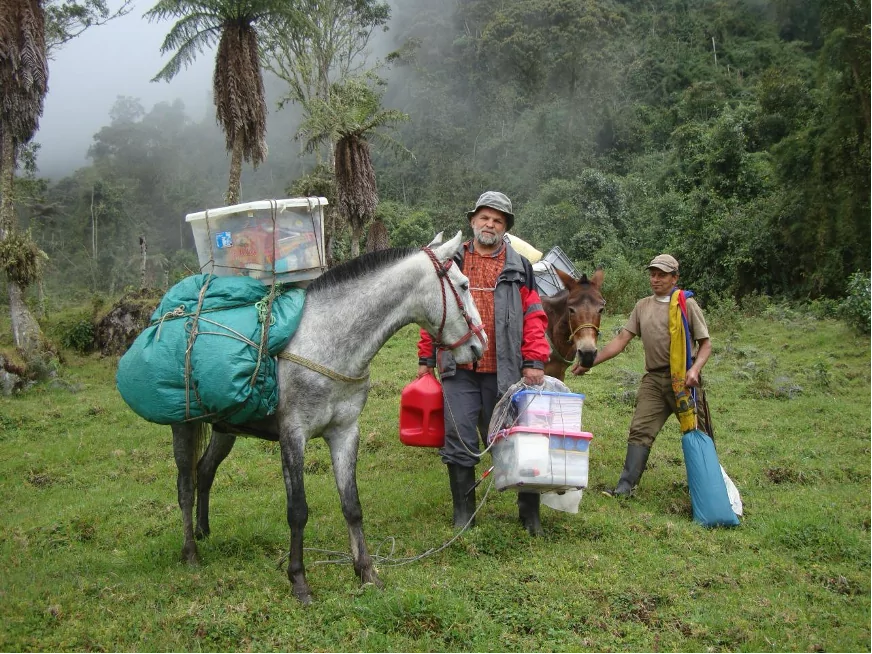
{"x":324,"y":370}
{"x":178,"y":312}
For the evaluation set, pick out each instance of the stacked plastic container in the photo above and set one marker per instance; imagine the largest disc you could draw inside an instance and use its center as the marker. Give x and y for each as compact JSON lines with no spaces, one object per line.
{"x":546,"y":449}
{"x":270,"y":240}
{"x":547,"y":281}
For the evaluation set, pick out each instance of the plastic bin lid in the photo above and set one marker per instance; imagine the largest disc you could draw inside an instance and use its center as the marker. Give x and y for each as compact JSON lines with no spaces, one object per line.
{"x":258,"y":205}
{"x":504,"y":433}
{"x":523,"y":392}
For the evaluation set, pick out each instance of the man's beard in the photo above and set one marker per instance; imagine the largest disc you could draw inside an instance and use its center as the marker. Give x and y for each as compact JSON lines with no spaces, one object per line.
{"x":486,"y":239}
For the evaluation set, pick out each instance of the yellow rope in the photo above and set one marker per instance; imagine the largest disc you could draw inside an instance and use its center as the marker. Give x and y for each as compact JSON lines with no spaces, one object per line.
{"x":317,"y":367}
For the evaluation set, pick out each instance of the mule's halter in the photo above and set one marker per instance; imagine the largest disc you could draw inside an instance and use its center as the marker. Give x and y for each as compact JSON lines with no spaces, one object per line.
{"x":442,"y":273}
{"x":587,"y":325}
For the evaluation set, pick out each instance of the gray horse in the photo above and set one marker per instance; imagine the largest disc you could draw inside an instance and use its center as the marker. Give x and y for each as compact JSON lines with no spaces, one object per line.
{"x":350,"y":312}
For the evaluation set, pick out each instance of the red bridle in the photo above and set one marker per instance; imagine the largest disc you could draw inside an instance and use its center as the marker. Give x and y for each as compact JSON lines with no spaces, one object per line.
{"x":474,"y":330}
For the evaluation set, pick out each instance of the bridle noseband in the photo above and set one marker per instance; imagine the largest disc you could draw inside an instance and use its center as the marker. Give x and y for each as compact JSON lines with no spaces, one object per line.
{"x":587,"y":325}
{"x":442,"y":274}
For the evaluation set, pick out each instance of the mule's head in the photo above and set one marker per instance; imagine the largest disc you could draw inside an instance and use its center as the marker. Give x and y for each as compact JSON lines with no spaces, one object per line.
{"x":449,"y":296}
{"x":584,"y":308}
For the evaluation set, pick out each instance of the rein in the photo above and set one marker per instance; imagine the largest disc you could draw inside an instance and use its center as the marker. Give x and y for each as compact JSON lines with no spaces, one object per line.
{"x":442,"y":273}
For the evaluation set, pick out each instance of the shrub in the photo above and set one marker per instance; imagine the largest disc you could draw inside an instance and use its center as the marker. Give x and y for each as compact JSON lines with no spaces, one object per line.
{"x":855,"y":308}
{"x":723,"y":312}
{"x":74,"y":330}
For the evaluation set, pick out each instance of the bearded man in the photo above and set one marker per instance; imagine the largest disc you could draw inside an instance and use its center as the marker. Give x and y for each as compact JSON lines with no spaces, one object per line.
{"x":504,"y":289}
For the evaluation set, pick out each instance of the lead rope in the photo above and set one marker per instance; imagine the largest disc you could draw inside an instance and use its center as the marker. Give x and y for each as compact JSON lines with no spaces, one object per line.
{"x":388,"y":561}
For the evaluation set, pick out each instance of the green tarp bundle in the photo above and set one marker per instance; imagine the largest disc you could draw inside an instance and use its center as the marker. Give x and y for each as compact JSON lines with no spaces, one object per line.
{"x":156,"y":380}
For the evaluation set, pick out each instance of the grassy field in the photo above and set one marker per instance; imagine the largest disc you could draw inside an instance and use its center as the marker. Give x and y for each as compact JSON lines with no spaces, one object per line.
{"x":91,"y":533}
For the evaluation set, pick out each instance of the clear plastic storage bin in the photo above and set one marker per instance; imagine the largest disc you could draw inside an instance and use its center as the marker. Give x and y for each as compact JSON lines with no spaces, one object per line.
{"x":281,"y":240}
{"x":559,"y":412}
{"x":547,"y":281}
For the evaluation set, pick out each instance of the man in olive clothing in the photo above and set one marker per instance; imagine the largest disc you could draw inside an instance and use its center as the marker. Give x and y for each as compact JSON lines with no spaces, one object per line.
{"x":655,"y":400}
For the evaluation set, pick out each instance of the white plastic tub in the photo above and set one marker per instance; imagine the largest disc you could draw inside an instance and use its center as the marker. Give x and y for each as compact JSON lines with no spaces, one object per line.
{"x":536,"y":460}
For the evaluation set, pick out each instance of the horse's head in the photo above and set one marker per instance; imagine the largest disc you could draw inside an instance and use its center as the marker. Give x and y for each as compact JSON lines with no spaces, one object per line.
{"x":452,"y":317}
{"x":583,"y":309}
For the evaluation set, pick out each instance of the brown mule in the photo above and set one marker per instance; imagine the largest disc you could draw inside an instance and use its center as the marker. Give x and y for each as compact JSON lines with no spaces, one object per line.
{"x":573,"y":322}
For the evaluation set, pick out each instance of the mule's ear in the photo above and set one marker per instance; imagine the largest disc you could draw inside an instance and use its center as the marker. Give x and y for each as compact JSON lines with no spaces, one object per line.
{"x":437,"y":240}
{"x":447,"y":250}
{"x":567,"y":279}
{"x":597,"y":279}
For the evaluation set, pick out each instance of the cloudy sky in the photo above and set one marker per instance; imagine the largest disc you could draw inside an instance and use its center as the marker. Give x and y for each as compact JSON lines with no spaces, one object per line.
{"x":90,"y":72}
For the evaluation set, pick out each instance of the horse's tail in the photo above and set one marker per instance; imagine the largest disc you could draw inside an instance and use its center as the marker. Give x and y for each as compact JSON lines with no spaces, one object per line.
{"x":202,"y":435}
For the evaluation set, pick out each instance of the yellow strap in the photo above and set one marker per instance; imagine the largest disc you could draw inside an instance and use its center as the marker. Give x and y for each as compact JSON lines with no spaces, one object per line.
{"x":317,"y":367}
{"x":678,"y":366}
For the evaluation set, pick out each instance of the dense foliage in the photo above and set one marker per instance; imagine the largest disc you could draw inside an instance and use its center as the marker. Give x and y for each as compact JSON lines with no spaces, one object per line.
{"x":734,"y":134}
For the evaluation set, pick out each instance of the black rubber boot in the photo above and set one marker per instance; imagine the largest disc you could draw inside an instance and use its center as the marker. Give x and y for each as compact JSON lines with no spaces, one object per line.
{"x":462,"y":480}
{"x":634,"y":466}
{"x":528,"y":513}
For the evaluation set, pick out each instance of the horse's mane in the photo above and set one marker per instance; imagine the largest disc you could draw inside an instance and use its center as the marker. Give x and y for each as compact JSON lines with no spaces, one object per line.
{"x":360,"y":266}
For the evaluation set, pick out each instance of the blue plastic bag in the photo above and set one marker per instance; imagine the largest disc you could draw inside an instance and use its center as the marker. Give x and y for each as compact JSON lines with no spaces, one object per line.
{"x":708,"y":492}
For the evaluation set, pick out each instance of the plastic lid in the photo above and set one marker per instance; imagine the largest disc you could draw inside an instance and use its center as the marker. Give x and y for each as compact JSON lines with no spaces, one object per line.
{"x":586,"y":435}
{"x":548,"y":393}
{"x":280,"y":205}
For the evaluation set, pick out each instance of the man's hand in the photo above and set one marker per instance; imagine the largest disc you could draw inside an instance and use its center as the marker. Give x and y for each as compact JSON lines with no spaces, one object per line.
{"x":691,"y":378}
{"x":533,"y":376}
{"x":424,"y":370}
{"x":578,"y":369}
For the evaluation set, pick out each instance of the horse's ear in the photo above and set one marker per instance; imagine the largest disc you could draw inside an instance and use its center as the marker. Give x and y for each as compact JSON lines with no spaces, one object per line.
{"x":447,"y":250}
{"x":597,"y":279}
{"x":567,"y":279}
{"x":437,"y":240}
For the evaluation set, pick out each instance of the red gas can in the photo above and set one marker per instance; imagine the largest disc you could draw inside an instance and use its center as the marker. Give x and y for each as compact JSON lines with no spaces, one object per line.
{"x":422,"y":421}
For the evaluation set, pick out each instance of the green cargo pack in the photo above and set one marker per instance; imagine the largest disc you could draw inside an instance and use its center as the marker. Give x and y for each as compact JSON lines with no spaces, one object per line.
{"x":225,"y":377}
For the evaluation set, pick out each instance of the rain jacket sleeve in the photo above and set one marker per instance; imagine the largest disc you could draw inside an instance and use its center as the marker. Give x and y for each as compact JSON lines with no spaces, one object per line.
{"x":426,"y":355}
{"x":534,"y":346}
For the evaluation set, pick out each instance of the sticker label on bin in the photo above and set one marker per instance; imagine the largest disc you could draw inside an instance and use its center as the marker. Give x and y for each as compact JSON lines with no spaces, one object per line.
{"x":223,"y":240}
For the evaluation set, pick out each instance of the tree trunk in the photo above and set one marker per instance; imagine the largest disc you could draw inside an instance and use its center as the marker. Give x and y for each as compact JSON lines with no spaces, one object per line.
{"x":142,"y":249}
{"x":356,"y":233}
{"x":233,"y":188}
{"x":26,"y":334}
{"x":7,"y":176}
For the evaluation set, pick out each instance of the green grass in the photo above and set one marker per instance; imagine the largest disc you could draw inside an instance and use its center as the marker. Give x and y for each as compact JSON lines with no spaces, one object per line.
{"x":91,"y":533}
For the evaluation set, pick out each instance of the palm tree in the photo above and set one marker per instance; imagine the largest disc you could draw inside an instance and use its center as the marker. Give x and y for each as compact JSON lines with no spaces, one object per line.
{"x":349,"y":118}
{"x":237,"y":82}
{"x":23,"y":85}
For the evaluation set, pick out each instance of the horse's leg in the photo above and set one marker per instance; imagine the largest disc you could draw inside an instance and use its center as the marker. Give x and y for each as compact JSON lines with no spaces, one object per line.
{"x":292,"y":444}
{"x":219,"y":447}
{"x":343,"y":452}
{"x":185,"y":452}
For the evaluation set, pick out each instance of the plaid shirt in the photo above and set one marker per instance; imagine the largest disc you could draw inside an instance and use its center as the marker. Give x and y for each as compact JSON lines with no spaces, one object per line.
{"x":483,"y":271}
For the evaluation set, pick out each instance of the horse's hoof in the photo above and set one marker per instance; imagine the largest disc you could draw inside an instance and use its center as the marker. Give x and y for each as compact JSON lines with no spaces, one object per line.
{"x":369,"y":576}
{"x":190,"y":556}
{"x":304,"y":595}
{"x":200,"y":534}
{"x":535,"y":530}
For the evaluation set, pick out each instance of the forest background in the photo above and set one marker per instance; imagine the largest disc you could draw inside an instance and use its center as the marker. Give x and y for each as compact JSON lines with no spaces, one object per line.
{"x":734,"y":134}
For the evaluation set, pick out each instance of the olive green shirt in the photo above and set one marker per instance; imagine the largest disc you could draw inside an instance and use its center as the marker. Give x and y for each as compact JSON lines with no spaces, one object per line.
{"x":650,"y":321}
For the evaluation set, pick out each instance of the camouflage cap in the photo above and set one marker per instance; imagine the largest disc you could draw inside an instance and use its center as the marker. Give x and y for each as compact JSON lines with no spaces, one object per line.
{"x":495,"y":200}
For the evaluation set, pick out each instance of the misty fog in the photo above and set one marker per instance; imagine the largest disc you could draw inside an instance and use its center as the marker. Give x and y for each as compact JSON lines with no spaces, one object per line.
{"x":120,"y":58}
